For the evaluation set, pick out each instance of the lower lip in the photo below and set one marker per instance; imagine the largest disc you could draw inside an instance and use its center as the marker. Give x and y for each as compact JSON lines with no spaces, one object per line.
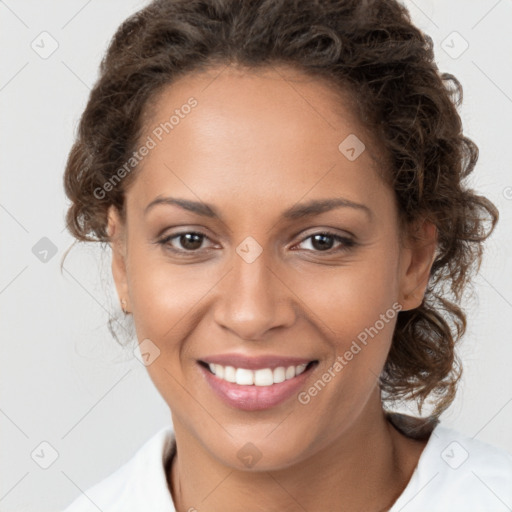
{"x":255,"y":398}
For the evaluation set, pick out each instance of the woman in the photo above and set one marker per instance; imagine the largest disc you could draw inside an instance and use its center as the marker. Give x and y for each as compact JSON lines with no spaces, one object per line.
{"x":282,"y":187}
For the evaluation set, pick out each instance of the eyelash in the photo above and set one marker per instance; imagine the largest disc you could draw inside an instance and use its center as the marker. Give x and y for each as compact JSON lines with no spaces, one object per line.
{"x":347,"y":243}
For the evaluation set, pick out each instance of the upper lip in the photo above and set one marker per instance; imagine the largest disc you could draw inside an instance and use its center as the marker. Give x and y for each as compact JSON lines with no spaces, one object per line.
{"x":255,"y":362}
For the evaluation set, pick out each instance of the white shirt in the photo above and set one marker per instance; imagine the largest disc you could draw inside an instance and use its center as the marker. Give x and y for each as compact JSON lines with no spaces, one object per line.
{"x":455,"y":473}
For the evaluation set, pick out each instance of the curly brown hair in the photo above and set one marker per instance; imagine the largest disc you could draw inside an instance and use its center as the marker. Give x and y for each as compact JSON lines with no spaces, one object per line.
{"x":369,"y":48}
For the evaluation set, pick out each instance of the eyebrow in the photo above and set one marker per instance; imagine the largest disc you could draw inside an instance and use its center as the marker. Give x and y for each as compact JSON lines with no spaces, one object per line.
{"x":298,"y":211}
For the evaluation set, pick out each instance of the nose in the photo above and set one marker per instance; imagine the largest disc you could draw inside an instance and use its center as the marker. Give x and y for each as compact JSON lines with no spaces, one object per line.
{"x":253,"y":298}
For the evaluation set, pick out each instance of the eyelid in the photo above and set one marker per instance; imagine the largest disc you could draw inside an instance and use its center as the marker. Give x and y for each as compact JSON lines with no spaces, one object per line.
{"x":165,"y":239}
{"x":347,"y":242}
{"x":326,"y":230}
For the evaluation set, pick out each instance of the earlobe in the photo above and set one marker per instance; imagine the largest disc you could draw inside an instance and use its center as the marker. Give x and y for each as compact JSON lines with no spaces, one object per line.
{"x":421,"y":253}
{"x":117,"y":245}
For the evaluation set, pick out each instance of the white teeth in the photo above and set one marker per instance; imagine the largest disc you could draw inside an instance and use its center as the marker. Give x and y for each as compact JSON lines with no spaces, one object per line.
{"x":244,"y":377}
{"x":279,"y":375}
{"x":219,"y":371}
{"x":262,"y":377}
{"x":230,"y":374}
{"x":300,"y":369}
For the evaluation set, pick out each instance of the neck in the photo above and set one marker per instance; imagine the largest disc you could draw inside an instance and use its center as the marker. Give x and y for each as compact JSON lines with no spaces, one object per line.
{"x":364,"y":469}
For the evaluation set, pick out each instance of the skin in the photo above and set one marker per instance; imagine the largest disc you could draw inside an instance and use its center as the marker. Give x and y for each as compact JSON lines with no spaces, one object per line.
{"x":257,"y":143}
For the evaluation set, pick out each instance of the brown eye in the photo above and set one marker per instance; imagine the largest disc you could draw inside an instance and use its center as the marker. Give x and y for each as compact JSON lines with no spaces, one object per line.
{"x":325,"y":241}
{"x":322,"y":242}
{"x":189,"y":241}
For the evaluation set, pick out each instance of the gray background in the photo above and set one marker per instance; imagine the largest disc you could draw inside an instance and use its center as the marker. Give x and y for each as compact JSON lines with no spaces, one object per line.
{"x":64,"y":380}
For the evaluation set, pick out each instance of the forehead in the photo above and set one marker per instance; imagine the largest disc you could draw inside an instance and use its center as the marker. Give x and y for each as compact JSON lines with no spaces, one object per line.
{"x":253,"y":135}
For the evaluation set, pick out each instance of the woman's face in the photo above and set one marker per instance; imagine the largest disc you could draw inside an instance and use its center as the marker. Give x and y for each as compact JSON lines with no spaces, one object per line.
{"x":241,"y":275}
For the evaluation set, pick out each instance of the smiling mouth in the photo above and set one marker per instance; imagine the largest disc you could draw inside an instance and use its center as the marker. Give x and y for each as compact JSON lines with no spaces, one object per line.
{"x":263,"y":377}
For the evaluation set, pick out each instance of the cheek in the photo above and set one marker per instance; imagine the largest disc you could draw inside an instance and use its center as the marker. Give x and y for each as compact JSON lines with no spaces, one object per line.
{"x":163,"y":295}
{"x":355,"y":307}
{"x":162,"y":292}
{"x":352,"y":296}
{"x":166,"y":302}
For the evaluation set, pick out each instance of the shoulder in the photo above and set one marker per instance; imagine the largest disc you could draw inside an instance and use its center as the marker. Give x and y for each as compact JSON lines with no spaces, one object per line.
{"x":458,"y":473}
{"x":139,"y":484}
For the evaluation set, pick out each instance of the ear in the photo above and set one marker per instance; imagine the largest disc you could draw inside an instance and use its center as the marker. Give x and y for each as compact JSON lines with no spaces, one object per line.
{"x":417,"y":257}
{"x":116,"y":233}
